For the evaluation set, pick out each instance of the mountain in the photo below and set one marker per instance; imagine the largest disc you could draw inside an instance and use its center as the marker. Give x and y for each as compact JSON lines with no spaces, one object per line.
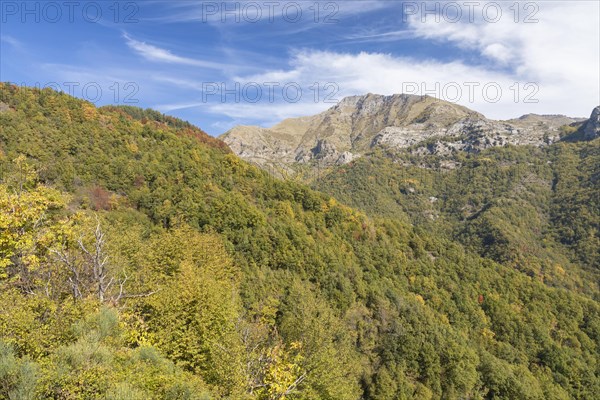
{"x":505,"y":189}
{"x":142,"y":259}
{"x":359,"y":124}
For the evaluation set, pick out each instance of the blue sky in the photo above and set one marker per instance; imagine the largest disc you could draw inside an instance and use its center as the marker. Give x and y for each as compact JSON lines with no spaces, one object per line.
{"x":218,"y":64}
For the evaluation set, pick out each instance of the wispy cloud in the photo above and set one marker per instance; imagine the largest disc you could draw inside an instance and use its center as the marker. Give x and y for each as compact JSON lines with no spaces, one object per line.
{"x":177,"y":106}
{"x":11,"y":41}
{"x":265,"y":114}
{"x":157,"y":54}
{"x":381,"y":36}
{"x":234,"y":12}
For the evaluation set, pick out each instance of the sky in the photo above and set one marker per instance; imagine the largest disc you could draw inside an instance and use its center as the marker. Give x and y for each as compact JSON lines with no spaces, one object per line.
{"x":218,"y":64}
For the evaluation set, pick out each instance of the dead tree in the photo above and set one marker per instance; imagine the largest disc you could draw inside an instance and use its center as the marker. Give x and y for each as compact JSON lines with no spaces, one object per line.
{"x":92,"y":272}
{"x":96,"y":263}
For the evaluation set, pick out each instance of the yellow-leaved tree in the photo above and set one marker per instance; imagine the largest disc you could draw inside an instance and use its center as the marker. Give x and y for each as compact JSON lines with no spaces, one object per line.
{"x":192,"y":317}
{"x":27,"y":227}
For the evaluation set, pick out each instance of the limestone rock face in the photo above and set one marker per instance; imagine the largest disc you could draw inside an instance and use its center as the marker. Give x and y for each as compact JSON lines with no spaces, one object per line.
{"x":592,"y":126}
{"x":358,"y":124}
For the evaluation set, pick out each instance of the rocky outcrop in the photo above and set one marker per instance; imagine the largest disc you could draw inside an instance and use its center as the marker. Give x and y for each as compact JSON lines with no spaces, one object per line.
{"x":591,"y":129}
{"x":358,"y":124}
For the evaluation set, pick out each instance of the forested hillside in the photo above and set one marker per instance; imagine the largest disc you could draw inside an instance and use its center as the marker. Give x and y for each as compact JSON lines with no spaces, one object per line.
{"x":534,"y":209}
{"x":140,"y":258}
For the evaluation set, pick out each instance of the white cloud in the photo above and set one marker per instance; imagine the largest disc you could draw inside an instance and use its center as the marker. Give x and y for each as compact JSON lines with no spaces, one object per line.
{"x":554,"y":61}
{"x":384,"y":74}
{"x":165,"y":108}
{"x":561,"y":49}
{"x":158,"y":54}
{"x":265,"y":114}
{"x":11,"y":41}
{"x":378,"y":36}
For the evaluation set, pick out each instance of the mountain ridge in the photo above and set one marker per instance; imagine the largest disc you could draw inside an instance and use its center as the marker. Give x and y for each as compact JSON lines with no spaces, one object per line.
{"x":358,"y":124}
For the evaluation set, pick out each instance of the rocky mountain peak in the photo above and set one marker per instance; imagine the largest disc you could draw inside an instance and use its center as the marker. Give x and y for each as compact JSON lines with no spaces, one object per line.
{"x":358,"y":124}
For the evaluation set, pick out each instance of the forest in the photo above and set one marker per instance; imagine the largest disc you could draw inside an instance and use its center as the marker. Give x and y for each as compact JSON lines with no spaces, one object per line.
{"x":141,"y":259}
